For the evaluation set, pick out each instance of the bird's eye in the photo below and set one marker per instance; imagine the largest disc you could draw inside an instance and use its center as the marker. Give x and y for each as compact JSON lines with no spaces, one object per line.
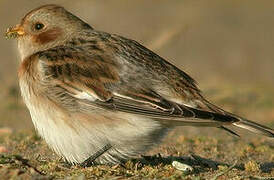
{"x":38,"y":26}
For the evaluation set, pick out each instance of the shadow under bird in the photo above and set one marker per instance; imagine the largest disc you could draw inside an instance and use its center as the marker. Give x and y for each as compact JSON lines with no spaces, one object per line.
{"x":99,"y":97}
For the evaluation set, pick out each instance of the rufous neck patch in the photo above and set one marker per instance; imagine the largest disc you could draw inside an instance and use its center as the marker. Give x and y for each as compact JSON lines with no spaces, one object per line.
{"x":47,"y":36}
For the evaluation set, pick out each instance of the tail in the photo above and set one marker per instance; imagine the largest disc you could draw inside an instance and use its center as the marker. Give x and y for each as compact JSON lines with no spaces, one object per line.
{"x":254,"y":127}
{"x":241,"y":122}
{"x":218,"y":118}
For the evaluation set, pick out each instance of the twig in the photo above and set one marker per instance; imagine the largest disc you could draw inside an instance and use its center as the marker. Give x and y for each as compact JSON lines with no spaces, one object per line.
{"x":165,"y":37}
{"x":225,"y":171}
{"x":91,"y":159}
{"x":26,"y":163}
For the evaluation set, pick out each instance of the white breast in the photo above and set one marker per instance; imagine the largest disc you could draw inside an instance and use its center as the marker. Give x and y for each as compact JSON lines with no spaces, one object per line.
{"x":52,"y":125}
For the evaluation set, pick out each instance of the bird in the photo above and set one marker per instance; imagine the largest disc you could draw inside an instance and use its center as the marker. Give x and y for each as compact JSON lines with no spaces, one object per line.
{"x":97,"y":97}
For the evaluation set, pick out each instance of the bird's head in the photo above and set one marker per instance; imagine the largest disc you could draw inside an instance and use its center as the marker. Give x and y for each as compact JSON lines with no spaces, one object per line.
{"x":45,"y":27}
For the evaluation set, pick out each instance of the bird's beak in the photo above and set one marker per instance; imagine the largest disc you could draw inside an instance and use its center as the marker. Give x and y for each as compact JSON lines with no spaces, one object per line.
{"x":14,"y":32}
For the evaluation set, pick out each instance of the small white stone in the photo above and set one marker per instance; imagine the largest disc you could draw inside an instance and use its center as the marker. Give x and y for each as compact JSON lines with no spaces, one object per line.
{"x":182,"y":167}
{"x":3,"y":149}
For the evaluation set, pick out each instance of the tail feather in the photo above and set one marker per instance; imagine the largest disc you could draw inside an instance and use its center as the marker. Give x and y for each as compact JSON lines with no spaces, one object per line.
{"x":241,"y":122}
{"x":218,"y":118}
{"x":254,"y":127}
{"x":229,"y":131}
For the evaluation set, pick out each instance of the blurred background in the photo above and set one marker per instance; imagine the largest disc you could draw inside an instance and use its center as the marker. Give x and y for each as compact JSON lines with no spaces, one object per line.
{"x":227,"y":46}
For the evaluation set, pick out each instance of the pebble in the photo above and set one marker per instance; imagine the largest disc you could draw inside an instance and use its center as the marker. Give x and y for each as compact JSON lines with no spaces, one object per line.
{"x":3,"y":149}
{"x":5,"y":130}
{"x":182,"y":167}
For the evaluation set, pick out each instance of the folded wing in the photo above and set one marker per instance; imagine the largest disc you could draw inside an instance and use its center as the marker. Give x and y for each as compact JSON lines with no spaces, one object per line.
{"x":81,"y":81}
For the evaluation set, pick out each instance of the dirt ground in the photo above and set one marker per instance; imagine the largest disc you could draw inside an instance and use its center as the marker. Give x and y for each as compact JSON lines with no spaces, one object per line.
{"x":227,"y":46}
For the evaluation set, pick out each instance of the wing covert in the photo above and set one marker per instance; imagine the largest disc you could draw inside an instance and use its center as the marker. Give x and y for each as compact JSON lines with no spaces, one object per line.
{"x":93,"y":80}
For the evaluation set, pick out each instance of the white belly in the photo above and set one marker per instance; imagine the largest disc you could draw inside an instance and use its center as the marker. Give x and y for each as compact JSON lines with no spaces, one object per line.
{"x":77,"y":140}
{"x":52,"y":125}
